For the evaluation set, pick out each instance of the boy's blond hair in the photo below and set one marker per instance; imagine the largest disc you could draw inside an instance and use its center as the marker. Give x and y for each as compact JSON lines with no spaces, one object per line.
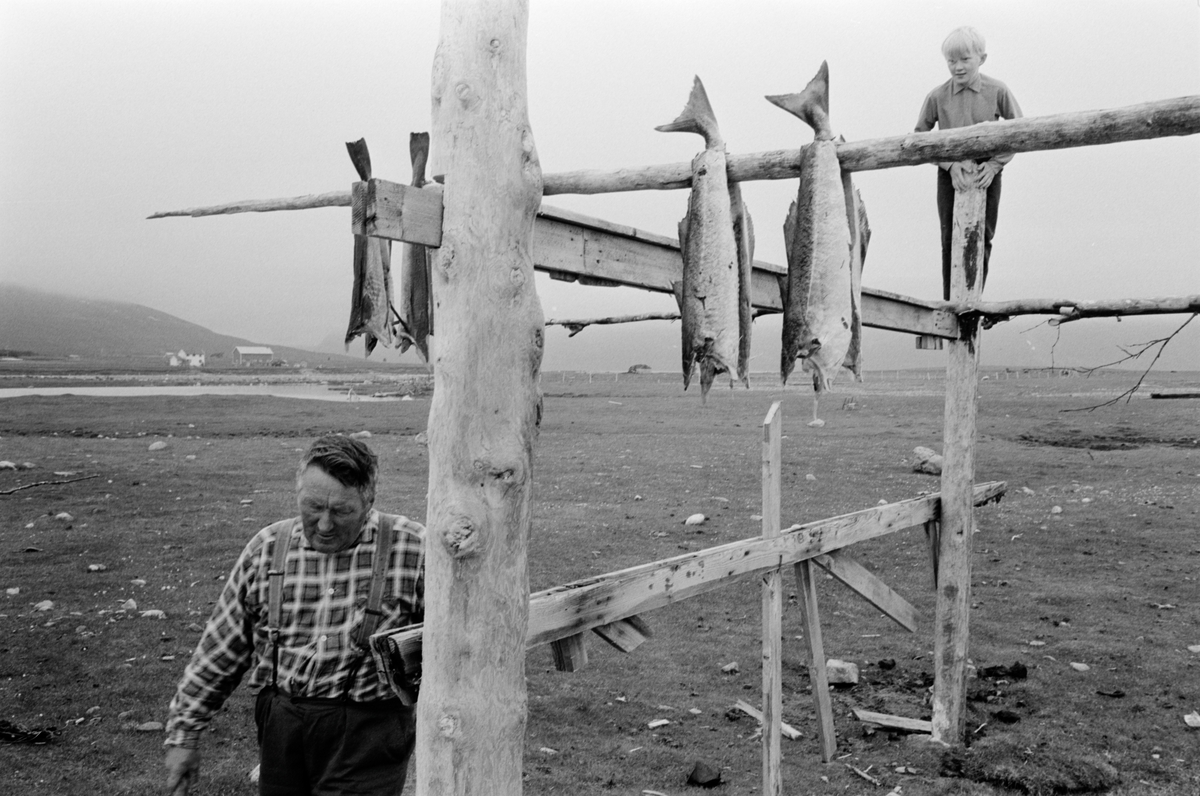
{"x":964,"y":41}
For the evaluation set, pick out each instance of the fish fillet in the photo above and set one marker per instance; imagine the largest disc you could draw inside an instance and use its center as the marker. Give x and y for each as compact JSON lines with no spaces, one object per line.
{"x":714,"y":256}
{"x":826,"y":235}
{"x":371,"y":311}
{"x":416,"y":288}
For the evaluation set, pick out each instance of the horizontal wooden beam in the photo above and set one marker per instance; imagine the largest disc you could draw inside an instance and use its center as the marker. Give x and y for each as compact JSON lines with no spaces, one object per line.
{"x":308,"y":202}
{"x":1069,"y":310}
{"x":1158,"y":119}
{"x":571,"y":245}
{"x":1163,"y":118}
{"x":594,"y":602}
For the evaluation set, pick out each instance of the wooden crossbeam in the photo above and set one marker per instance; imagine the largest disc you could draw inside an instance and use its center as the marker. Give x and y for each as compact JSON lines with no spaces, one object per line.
{"x":572,"y":246}
{"x":870,"y":587}
{"x":586,"y":604}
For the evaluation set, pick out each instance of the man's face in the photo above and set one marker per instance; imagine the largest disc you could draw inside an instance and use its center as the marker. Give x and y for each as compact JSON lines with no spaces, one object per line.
{"x":333,"y":514}
{"x":964,"y":67}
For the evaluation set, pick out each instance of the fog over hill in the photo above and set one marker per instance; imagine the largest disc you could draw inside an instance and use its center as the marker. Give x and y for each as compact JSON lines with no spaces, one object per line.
{"x":54,"y":324}
{"x":59,"y":325}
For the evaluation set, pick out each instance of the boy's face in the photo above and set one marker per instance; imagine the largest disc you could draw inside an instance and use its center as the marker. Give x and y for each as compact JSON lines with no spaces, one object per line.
{"x":964,"y":67}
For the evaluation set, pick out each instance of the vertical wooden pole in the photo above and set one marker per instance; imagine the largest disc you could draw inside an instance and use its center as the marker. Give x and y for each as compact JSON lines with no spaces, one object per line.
{"x":952,"y":624}
{"x":485,"y":410}
{"x":772,"y":610}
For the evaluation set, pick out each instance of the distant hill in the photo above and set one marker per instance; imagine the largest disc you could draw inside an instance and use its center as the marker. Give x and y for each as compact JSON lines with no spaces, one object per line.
{"x":58,"y":325}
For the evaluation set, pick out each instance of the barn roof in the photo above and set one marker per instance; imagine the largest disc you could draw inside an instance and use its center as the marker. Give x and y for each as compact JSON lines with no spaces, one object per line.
{"x":253,"y":349}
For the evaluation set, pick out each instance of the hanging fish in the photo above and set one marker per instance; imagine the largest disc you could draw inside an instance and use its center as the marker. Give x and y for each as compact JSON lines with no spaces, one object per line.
{"x":371,"y":312}
{"x":826,"y":236}
{"x":416,"y":287}
{"x":716,"y":238}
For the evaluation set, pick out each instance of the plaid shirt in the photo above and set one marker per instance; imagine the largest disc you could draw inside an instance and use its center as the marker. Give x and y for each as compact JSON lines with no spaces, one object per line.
{"x":324,"y":596}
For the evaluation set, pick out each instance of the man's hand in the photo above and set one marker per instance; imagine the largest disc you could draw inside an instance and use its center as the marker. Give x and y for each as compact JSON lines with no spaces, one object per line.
{"x":963,"y":175}
{"x":183,"y":769}
{"x":986,"y":173}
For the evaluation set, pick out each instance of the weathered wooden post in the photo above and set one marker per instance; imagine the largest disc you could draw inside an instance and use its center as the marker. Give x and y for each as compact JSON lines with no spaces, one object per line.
{"x":772,"y":608}
{"x":952,"y":623}
{"x":485,"y":409}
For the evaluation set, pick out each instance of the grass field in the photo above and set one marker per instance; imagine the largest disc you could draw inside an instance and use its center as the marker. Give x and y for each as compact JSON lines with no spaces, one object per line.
{"x":1090,"y":558}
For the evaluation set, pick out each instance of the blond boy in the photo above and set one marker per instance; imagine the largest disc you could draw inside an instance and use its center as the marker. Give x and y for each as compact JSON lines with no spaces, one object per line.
{"x":967,"y":98}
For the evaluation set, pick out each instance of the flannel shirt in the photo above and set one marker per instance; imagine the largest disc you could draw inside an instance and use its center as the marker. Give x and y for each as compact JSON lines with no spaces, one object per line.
{"x":323,"y":601}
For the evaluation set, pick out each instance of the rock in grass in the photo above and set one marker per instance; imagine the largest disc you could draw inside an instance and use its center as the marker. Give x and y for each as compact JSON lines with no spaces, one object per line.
{"x":44,"y":605}
{"x":361,"y":435}
{"x":841,"y":672}
{"x":6,"y":465}
{"x":704,"y":775}
{"x":150,"y":726}
{"x":927,"y":461}
{"x":157,"y":446}
{"x":695,"y":519}
{"x":63,"y":516}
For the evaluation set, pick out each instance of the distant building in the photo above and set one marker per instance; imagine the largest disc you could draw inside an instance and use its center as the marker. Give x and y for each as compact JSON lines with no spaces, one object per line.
{"x":252,"y":355}
{"x":193,"y":360}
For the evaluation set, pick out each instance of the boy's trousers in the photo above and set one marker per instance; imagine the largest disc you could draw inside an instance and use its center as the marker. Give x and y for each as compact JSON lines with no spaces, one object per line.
{"x":945,"y":203}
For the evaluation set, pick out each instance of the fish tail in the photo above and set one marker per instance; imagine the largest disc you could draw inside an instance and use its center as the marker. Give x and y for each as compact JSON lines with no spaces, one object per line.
{"x":811,"y":104}
{"x":697,"y":117}
{"x":360,"y":157}
{"x":418,"y":151}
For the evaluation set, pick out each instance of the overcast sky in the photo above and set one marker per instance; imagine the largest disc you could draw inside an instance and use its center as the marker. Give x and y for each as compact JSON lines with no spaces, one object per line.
{"x":110,"y":111}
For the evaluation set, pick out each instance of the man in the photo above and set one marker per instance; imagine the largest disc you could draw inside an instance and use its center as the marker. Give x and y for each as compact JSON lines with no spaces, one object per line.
{"x":296,"y":613}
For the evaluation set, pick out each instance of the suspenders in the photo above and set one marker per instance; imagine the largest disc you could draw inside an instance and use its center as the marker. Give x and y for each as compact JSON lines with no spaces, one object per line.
{"x":384,"y":537}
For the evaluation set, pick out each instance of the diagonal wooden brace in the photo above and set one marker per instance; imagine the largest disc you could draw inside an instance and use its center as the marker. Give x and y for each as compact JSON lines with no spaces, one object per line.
{"x":873,"y":590}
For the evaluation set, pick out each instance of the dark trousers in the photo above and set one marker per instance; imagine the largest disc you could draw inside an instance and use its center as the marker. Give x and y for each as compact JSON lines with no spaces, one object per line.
{"x":945,"y":203}
{"x":332,"y":747}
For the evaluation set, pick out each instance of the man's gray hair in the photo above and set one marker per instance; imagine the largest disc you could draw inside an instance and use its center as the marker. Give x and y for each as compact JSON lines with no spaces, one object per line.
{"x":349,"y":461}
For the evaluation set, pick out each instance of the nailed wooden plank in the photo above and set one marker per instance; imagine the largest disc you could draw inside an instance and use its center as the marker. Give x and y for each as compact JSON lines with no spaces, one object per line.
{"x":893,"y":722}
{"x":785,"y":729}
{"x":383,"y":209}
{"x":957,"y":520}
{"x":806,"y":593}
{"x":866,"y":583}
{"x":576,"y":607}
{"x":625,"y":634}
{"x":772,"y":607}
{"x":570,"y":653}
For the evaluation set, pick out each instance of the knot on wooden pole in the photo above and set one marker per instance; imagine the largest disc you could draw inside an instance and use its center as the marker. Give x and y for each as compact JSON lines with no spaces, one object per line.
{"x":449,"y":726}
{"x":461,"y":538}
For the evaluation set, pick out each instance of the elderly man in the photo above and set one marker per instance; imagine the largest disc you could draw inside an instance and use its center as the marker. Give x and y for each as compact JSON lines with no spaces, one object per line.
{"x":296,"y":612}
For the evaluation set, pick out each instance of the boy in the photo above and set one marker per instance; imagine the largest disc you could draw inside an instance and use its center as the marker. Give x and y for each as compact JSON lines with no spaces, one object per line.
{"x":967,"y":98}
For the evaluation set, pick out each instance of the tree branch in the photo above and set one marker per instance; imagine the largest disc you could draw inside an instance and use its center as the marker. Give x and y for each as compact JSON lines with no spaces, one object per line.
{"x":1161,"y":342}
{"x":45,"y":483}
{"x":577,"y":326}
